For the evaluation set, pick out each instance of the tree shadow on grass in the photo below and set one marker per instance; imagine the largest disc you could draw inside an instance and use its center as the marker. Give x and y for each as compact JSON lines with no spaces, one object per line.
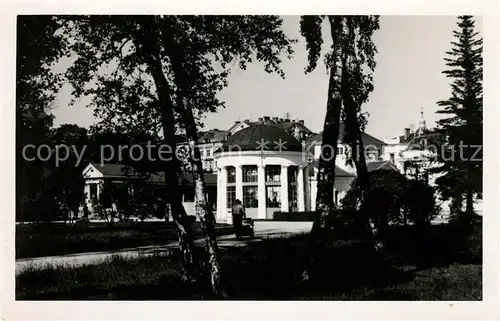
{"x":270,"y":270}
{"x":434,"y":246}
{"x":265,"y":270}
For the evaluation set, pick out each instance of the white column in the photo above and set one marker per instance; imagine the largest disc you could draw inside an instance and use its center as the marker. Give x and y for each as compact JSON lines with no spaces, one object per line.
{"x":306,"y":188}
{"x":300,"y":189}
{"x":314,"y":191}
{"x":98,"y":185}
{"x":284,"y":188}
{"x":222,"y":195}
{"x":219,"y":195}
{"x":261,"y":190}
{"x":239,"y":182}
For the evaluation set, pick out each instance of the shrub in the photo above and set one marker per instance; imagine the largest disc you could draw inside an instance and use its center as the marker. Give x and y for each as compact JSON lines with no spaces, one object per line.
{"x":346,"y":223}
{"x":294,"y":216}
{"x":391,"y":198}
{"x":420,"y":202}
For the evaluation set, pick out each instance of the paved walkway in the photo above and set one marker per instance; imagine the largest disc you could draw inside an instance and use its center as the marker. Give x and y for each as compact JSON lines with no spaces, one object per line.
{"x":263,"y":230}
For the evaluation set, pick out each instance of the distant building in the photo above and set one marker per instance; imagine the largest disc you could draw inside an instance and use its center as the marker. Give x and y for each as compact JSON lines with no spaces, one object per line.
{"x":123,"y":177}
{"x":413,"y":154}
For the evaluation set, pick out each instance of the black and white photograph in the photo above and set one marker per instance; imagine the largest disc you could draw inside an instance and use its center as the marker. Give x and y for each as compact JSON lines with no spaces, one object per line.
{"x":249,"y":157}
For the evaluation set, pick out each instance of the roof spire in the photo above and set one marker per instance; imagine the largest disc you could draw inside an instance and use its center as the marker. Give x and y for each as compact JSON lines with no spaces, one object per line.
{"x":421,"y":124}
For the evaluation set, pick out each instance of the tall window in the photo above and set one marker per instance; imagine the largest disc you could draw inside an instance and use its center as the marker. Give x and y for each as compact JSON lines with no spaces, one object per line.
{"x":231,"y":196}
{"x":391,"y":155}
{"x":292,"y":187}
{"x":340,"y":150}
{"x":273,"y":186}
{"x":231,"y":175}
{"x":250,"y":195}
{"x":273,"y":196}
{"x":250,"y":174}
{"x":336,"y":197}
{"x":292,"y":197}
{"x":231,"y":186}
{"x":292,"y":174}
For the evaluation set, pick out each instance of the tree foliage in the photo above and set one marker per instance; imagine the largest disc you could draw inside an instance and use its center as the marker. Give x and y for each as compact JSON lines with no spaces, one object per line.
{"x":462,"y":125}
{"x":393,"y":199}
{"x":38,"y":47}
{"x":162,"y":74}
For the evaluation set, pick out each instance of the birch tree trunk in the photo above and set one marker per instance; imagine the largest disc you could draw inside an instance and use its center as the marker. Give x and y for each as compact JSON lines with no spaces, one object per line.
{"x":353,"y":133}
{"x":185,"y":82}
{"x":326,"y":165}
{"x":202,"y":209}
{"x":184,"y":231}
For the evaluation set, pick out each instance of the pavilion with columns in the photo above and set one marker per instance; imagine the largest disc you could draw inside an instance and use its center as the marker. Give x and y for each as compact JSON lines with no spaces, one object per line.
{"x":264,"y":167}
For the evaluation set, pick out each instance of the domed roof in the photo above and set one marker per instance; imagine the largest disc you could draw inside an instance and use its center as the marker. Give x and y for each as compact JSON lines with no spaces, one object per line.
{"x":261,"y":138}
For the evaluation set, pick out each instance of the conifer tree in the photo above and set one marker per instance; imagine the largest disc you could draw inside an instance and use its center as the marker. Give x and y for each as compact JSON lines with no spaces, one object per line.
{"x":461,"y":163}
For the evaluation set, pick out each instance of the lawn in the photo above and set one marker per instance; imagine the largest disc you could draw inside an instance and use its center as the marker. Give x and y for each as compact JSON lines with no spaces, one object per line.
{"x":59,"y":239}
{"x":348,"y":270}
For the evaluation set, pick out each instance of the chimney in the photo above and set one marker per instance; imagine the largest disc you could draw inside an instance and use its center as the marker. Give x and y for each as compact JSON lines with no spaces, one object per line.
{"x":407,"y":132}
{"x":275,"y":119}
{"x":260,"y":120}
{"x":301,"y":122}
{"x":267,"y":118}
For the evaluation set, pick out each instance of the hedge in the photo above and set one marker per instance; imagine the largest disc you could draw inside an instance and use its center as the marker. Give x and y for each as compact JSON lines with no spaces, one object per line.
{"x":294,"y":216}
{"x":308,"y":216}
{"x":350,"y":223}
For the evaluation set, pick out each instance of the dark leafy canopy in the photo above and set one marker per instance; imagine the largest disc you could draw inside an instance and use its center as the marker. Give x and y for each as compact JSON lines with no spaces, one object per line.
{"x":39,"y":45}
{"x":462,"y":124}
{"x":385,"y":195}
{"x":111,"y":68}
{"x":310,"y":28}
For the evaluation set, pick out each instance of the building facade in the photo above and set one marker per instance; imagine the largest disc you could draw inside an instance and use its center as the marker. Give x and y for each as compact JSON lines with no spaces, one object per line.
{"x":270,"y":165}
{"x":413,"y":153}
{"x":273,"y":167}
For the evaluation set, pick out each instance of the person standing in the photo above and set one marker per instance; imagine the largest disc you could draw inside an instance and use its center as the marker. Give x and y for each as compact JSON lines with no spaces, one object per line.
{"x":238,"y":212}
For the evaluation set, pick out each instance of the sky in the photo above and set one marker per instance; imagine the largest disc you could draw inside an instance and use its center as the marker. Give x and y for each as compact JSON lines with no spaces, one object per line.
{"x":408,"y":78}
